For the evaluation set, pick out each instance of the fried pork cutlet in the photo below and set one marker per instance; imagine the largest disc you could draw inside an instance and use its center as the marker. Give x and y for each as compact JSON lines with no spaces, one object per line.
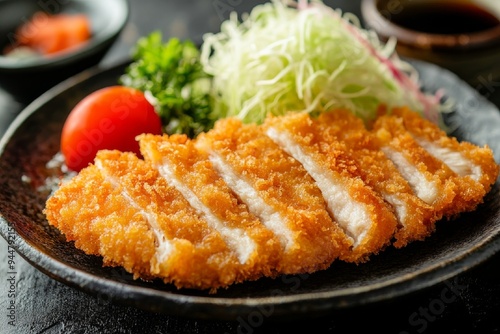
{"x":425,"y":174}
{"x":189,"y":170}
{"x":468,"y":161}
{"x":287,"y":197}
{"x":452,"y":177}
{"x":122,"y":209}
{"x":415,"y":218}
{"x":360,"y":211}
{"x":278,"y":190}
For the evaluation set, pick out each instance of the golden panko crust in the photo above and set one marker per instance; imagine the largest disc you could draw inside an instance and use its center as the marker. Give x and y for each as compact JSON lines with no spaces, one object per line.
{"x":245,"y":201}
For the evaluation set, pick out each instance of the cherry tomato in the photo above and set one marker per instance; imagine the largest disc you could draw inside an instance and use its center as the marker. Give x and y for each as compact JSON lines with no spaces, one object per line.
{"x":109,"y":118}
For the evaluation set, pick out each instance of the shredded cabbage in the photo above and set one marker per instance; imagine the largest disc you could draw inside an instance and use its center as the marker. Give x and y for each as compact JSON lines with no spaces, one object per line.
{"x":306,"y":56}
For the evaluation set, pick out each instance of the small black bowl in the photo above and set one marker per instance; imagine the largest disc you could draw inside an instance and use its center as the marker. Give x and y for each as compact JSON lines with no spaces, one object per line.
{"x":26,"y":79}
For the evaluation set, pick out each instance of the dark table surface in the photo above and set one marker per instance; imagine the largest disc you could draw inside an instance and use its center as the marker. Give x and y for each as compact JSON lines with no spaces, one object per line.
{"x":44,"y":305}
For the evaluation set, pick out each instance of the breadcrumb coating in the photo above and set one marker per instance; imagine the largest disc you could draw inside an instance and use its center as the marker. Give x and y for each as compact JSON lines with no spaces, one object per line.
{"x":192,"y":167}
{"x":474,"y":166}
{"x":440,"y":159}
{"x":314,"y":241}
{"x":415,"y":218}
{"x":369,"y":220}
{"x":291,"y":196}
{"x":102,"y":220}
{"x":429,"y":178}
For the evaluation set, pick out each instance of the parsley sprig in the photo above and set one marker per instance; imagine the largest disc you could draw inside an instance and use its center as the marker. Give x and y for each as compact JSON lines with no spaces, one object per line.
{"x":171,"y":73}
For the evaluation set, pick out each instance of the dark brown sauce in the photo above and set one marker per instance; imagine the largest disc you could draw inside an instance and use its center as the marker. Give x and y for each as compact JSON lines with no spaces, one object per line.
{"x":445,"y":18}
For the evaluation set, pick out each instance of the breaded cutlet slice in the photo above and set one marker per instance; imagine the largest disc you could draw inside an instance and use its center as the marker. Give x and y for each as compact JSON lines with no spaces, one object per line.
{"x":415,"y":217}
{"x":189,"y":170}
{"x":277,"y":190}
{"x":429,"y":178}
{"x":122,"y":209}
{"x":357,"y":208}
{"x":424,"y":155}
{"x":91,"y":211}
{"x":467,"y":160}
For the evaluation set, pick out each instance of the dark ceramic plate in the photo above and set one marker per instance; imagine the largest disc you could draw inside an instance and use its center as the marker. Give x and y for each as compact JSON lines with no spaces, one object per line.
{"x":455,"y":247}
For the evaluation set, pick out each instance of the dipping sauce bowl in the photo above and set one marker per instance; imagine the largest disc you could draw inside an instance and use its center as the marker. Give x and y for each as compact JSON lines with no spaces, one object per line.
{"x":460,"y":35}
